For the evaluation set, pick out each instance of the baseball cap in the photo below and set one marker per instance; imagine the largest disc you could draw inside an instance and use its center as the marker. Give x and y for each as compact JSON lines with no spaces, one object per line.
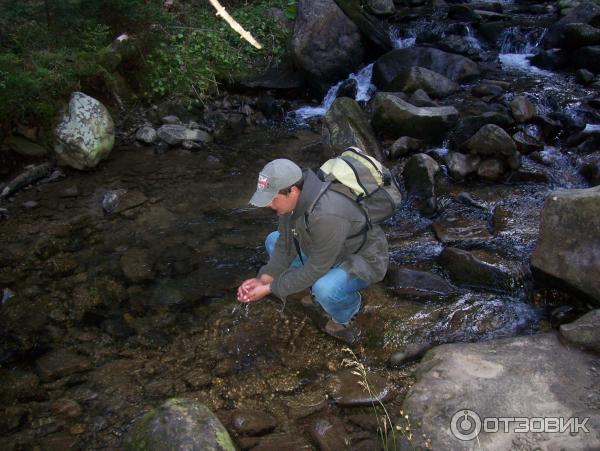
{"x":275,"y":176}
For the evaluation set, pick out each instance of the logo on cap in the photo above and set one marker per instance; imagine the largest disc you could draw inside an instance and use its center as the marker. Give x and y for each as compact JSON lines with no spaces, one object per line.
{"x":263,"y":182}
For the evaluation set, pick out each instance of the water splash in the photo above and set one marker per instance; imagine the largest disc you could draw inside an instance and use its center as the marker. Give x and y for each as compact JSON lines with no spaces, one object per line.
{"x":402,"y":42}
{"x":364,"y":92}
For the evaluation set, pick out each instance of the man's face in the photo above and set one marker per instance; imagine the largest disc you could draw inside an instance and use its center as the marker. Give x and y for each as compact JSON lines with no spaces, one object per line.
{"x":285,"y":203}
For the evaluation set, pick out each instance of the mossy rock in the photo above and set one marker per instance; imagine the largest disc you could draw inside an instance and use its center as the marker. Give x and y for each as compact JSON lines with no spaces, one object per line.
{"x":179,"y":424}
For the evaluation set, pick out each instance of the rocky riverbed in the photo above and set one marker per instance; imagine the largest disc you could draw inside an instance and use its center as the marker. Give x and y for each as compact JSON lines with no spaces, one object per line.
{"x":118,"y":284}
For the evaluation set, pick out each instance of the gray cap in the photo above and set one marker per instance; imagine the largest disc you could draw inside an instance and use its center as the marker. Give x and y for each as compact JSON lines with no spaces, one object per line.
{"x":275,"y":176}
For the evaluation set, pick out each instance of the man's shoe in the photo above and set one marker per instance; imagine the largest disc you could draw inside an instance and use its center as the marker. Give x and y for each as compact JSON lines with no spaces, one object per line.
{"x":347,"y":332}
{"x":314,"y":311}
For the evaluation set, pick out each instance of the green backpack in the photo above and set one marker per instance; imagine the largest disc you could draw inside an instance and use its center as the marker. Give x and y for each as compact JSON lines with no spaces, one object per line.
{"x":365,"y":181}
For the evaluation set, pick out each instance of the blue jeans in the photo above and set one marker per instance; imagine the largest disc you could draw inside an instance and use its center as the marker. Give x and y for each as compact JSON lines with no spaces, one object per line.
{"x":337,"y":291}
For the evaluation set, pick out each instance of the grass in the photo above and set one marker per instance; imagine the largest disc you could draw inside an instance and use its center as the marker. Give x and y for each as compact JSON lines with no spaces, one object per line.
{"x":49,"y":49}
{"x":386,"y":428}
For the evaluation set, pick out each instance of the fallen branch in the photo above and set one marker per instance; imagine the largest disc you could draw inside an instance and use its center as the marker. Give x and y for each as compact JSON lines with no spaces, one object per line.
{"x":29,"y":176}
{"x":221,"y":11}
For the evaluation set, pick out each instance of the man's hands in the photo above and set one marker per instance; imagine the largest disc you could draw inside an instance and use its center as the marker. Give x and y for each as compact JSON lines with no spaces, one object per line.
{"x":252,"y":290}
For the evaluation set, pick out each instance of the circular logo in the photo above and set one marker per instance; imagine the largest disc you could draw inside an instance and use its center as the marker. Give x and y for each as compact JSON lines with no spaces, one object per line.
{"x":465,"y":425}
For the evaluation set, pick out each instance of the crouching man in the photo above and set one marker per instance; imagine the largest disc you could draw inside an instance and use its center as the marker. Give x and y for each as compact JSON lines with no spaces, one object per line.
{"x":322,"y":242}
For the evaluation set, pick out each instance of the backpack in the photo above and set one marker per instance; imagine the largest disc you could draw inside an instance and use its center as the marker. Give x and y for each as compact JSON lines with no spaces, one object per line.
{"x":366,"y":182}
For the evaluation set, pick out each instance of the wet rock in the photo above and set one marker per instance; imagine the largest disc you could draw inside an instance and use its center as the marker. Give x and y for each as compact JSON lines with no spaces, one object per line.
{"x":29,"y":205}
{"x":481,"y":269}
{"x":330,"y":434}
{"x":159,"y":389}
{"x":461,"y":165}
{"x":60,"y":442}
{"x":167,"y":292}
{"x":197,"y":378}
{"x":346,"y":125}
{"x":490,"y":169}
{"x":347,"y":390}
{"x":419,"y":175}
{"x":325,"y":43}
{"x":584,"y":332}
{"x":553,"y":59}
{"x":308,"y":404}
{"x":174,"y":135}
{"x":491,"y":140}
{"x":583,"y":12}
{"x":19,"y":386}
{"x":252,"y":422}
{"x":587,"y":58}
{"x":413,"y":78}
{"x":410,"y":353}
{"x":405,"y":145}
{"x":526,"y":144}
{"x":85,"y":134}
{"x":418,"y":283}
{"x":454,"y":67}
{"x":127,"y":200}
{"x":584,"y":76}
{"x":522,"y":109}
{"x":567,"y":248}
{"x":590,"y":169}
{"x":66,"y":408}
{"x":420,"y":98}
{"x":394,"y":117}
{"x":171,"y":120}
{"x":278,"y":442}
{"x":487,"y":89}
{"x":110,"y":200}
{"x":549,"y":127}
{"x":12,"y":418}
{"x":117,"y":328}
{"x":562,"y":315}
{"x":179,"y":424}
{"x":90,"y":296}
{"x":146,"y":134}
{"x":469,"y":125}
{"x":508,"y":375}
{"x":24,"y":146}
{"x":348,"y":88}
{"x":59,"y":363}
{"x":454,"y":229}
{"x":176,"y":261}
{"x":577,"y":35}
{"x":136,"y":265}
{"x":71,"y":191}
{"x":381,"y":7}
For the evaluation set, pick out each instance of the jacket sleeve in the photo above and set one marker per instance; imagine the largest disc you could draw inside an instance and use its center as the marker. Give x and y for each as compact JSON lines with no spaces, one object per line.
{"x":283,"y":254}
{"x":328,"y":234}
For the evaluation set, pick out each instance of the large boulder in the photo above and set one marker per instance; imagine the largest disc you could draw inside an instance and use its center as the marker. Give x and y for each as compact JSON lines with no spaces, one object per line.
{"x":461,"y":385}
{"x":587,"y":58}
{"x":395,"y":117}
{"x":577,"y":35}
{"x":179,"y":424}
{"x":585,"y":331}
{"x":491,"y":140}
{"x":584,"y":12}
{"x":569,"y":244}
{"x":325,"y":43}
{"x":419,"y":175}
{"x":461,"y":165}
{"x":413,"y":78}
{"x":346,"y":125}
{"x":481,"y":269}
{"x":85,"y":134}
{"x":454,"y":67}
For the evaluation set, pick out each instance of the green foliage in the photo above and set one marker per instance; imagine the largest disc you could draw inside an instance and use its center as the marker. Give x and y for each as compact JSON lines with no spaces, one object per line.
{"x":49,"y":48}
{"x":194,"y":56}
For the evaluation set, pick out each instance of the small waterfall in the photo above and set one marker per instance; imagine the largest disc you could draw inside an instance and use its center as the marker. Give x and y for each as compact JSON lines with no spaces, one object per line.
{"x":517,"y":46}
{"x":402,"y":42}
{"x":364,"y":91}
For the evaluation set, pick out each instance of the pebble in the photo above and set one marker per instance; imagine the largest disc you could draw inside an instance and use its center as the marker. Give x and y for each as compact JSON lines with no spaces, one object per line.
{"x":29,"y":204}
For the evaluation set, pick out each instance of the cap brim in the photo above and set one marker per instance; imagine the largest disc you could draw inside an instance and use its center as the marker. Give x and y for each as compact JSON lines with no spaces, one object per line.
{"x":262,"y":198}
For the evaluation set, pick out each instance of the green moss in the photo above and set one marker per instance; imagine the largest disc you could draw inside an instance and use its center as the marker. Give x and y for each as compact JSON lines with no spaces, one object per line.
{"x":224,"y":441}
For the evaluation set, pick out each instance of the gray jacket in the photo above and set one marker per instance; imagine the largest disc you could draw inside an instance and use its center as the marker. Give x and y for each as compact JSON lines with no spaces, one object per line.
{"x":332,"y":237}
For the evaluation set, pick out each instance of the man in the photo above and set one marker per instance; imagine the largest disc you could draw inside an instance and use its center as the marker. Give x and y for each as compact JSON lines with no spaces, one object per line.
{"x":322,"y":242}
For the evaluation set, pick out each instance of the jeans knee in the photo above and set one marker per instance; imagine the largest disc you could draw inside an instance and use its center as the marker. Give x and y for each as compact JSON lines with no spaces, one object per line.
{"x":270,"y":242}
{"x":323,"y":291}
